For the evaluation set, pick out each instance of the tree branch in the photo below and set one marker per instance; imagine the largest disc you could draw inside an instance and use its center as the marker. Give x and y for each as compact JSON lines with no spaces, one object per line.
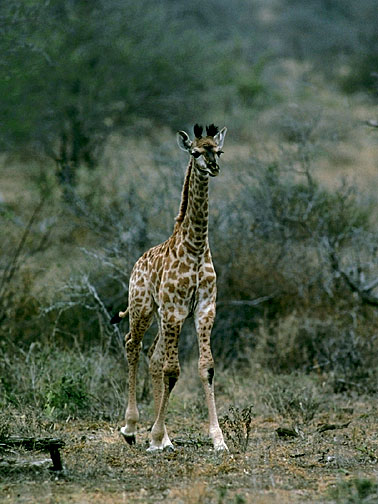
{"x":245,"y":302}
{"x":362,"y":290}
{"x":12,"y":265}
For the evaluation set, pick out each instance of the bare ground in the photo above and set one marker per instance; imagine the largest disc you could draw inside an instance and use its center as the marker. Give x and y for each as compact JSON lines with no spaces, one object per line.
{"x":319,"y":461}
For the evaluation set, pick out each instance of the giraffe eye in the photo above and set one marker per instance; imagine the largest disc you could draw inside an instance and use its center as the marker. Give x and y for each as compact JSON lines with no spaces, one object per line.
{"x":196,"y":154}
{"x":219,"y":153}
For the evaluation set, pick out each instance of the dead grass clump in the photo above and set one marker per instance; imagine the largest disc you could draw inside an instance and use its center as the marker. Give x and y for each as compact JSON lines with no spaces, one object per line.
{"x":237,"y":426}
{"x":331,"y":346}
{"x":287,"y":396}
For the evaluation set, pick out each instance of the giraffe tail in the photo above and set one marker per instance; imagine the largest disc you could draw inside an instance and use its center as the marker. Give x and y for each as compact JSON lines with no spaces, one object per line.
{"x":119,"y":316}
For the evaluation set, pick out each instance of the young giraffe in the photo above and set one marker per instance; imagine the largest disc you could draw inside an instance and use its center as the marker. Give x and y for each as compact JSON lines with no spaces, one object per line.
{"x":173,"y":280}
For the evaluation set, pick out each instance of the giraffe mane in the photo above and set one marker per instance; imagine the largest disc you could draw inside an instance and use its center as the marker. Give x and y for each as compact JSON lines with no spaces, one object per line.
{"x":184,"y":195}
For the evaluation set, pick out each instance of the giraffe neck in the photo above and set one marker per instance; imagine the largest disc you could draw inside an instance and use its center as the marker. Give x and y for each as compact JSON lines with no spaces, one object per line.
{"x":194,"y":210}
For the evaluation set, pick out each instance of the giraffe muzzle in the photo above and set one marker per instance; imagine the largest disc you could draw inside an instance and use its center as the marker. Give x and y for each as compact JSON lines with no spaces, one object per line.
{"x":213,"y":170}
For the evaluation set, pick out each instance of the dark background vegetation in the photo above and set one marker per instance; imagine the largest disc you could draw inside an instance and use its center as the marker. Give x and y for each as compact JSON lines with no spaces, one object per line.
{"x":90,"y":177}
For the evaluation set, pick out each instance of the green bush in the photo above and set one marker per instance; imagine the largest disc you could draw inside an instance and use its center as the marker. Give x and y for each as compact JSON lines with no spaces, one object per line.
{"x":67,"y":396}
{"x":362,"y":75}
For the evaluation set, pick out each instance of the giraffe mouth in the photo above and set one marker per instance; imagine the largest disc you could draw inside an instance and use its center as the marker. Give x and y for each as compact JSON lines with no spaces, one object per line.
{"x":213,"y":171}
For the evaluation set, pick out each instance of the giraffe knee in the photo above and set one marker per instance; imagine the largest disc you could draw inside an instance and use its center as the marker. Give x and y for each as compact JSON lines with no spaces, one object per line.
{"x":171,"y":382}
{"x":210,"y":375}
{"x":206,"y":372}
{"x":171,"y":375}
{"x":156,"y":365}
{"x":172,"y":371}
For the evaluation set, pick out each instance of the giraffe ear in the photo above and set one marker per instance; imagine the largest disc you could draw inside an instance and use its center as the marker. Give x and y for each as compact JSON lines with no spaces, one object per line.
{"x":219,"y":137}
{"x":184,"y":141}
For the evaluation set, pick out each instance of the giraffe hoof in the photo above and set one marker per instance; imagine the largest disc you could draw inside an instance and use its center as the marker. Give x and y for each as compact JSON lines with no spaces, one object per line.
{"x":160,"y":448}
{"x":129,"y":438}
{"x":221,"y":448}
{"x":153,"y":449}
{"x":169,"y":448}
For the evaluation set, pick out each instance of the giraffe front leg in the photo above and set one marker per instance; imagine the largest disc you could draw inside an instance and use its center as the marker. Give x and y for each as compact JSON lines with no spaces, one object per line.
{"x":204,"y":322}
{"x":159,"y":435}
{"x":206,"y":372}
{"x":157,"y":380}
{"x":169,"y":376}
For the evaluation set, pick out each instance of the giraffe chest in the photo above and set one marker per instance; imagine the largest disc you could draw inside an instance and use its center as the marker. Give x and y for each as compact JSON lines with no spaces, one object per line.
{"x":179,"y":284}
{"x":177,"y":280}
{"x":184,"y":283}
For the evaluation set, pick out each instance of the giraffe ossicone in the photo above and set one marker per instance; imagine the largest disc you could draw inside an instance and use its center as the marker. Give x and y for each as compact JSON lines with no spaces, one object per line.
{"x":170,"y":282}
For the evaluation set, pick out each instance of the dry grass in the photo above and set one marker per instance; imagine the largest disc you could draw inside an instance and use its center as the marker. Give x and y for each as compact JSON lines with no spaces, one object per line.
{"x":337,"y":446}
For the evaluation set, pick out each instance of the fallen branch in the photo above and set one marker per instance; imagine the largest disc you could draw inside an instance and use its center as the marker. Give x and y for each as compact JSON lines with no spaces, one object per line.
{"x":245,"y":302}
{"x":285,"y":432}
{"x":52,"y":445}
{"x":372,"y":122}
{"x":327,"y":427}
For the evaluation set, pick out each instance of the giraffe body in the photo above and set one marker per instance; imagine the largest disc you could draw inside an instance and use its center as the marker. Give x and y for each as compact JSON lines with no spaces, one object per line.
{"x":172,"y":281}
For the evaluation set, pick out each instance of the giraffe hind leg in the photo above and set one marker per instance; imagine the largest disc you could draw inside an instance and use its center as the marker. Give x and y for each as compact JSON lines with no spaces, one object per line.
{"x":133,"y":347}
{"x":132,"y":414}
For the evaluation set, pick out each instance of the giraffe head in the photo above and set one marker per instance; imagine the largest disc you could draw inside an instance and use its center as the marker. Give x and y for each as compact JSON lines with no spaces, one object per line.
{"x":204,"y":150}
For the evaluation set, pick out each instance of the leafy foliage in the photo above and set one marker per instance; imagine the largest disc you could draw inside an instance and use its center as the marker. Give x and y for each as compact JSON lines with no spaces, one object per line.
{"x":67,"y":395}
{"x":81,"y":72}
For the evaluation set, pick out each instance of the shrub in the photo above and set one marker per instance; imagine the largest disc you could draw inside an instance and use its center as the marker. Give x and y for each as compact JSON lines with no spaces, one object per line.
{"x":330,"y":346}
{"x":63,"y":382}
{"x":67,"y":395}
{"x":355,"y":491}
{"x":288,"y":397}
